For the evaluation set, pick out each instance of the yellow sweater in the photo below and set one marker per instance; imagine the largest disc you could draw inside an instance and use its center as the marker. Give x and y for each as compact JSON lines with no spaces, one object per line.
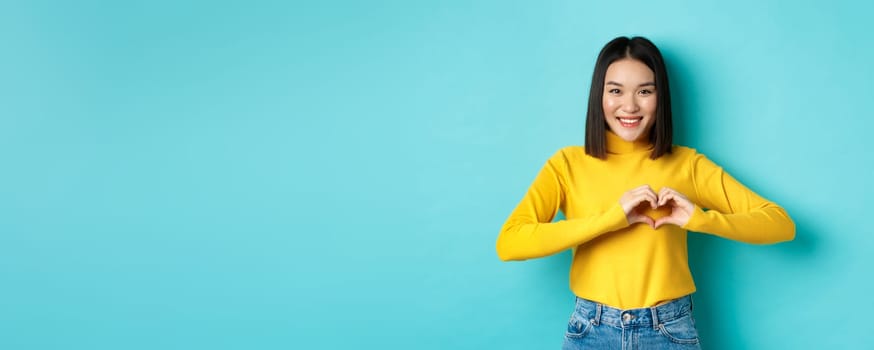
{"x":632,"y":266}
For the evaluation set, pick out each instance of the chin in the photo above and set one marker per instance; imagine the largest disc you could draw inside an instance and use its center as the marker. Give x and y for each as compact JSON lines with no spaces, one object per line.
{"x":629,"y":135}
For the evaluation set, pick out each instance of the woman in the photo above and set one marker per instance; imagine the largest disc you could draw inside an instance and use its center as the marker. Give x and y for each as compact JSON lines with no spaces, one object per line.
{"x":629,"y":196}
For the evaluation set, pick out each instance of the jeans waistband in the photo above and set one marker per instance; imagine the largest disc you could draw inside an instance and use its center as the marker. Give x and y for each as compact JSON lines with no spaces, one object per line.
{"x":596,"y":313}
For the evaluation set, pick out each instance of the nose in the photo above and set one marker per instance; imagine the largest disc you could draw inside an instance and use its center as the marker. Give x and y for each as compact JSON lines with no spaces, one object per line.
{"x":629,"y":104}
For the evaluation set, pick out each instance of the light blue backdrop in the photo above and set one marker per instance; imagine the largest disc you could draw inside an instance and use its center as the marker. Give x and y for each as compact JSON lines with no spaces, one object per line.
{"x":333,"y":174}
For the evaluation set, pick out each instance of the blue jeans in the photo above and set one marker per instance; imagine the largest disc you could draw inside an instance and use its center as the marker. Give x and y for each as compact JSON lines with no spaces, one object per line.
{"x":666,"y":326}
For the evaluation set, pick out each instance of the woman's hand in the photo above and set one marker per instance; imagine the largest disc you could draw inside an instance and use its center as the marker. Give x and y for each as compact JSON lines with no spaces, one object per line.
{"x":681,"y":207}
{"x":633,"y":202}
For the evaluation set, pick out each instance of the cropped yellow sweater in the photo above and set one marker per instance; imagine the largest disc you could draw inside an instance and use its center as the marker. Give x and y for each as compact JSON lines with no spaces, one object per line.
{"x":632,"y":266}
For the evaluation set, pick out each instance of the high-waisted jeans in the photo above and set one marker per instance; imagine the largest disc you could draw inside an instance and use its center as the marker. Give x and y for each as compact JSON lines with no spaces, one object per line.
{"x":666,"y":326}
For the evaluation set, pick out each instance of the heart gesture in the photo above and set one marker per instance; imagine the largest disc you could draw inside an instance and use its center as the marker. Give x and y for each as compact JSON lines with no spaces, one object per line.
{"x":634,"y":202}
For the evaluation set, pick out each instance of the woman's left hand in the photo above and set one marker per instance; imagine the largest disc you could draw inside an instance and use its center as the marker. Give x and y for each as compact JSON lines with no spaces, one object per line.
{"x":681,"y":207}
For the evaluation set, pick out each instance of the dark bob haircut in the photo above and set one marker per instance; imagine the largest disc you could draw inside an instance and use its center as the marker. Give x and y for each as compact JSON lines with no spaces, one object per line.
{"x":643,"y":50}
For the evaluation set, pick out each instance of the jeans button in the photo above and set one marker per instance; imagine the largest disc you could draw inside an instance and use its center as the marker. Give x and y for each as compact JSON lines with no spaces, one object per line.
{"x":627,"y":317}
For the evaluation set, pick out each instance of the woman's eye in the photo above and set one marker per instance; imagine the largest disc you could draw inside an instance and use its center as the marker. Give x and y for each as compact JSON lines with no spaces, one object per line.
{"x":645,"y":92}
{"x":614,"y":91}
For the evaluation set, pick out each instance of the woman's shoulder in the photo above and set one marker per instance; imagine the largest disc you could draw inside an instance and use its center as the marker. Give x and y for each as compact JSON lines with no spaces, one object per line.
{"x":572,"y":150}
{"x":684,"y":151}
{"x":567,"y":157}
{"x":570,"y":153}
{"x":695,"y":159}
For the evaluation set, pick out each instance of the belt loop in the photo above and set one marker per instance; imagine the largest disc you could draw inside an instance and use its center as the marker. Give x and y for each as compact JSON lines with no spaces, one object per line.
{"x":655,"y":318}
{"x":598,"y":314}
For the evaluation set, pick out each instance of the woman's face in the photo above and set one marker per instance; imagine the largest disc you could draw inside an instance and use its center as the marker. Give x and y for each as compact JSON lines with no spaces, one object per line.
{"x":629,"y":99}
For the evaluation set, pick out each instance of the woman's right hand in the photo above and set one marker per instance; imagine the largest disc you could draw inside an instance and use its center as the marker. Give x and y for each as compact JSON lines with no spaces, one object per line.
{"x":633,"y":201}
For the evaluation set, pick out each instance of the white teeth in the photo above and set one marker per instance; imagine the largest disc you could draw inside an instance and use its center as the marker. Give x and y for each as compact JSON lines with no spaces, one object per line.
{"x":629,"y":121}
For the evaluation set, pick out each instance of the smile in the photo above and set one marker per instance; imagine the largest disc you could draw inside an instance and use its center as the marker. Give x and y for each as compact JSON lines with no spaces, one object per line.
{"x":629,"y":122}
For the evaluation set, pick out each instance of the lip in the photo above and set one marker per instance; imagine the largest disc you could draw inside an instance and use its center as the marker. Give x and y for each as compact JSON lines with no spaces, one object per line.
{"x":636,"y":123}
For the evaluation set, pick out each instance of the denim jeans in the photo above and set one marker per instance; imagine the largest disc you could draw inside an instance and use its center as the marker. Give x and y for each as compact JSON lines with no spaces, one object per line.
{"x":666,"y":326}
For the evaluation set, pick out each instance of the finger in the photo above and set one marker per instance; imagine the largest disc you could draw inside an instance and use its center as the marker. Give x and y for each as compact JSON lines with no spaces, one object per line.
{"x":637,"y":218}
{"x":651,"y":196}
{"x":680,"y":201}
{"x":647,"y":199}
{"x":647,"y":220}
{"x":633,"y":219}
{"x":635,"y":196}
{"x":665,"y":197}
{"x":677,"y":195}
{"x":685,"y":202}
{"x":644,"y":186}
{"x":630,"y":201}
{"x":666,"y":192}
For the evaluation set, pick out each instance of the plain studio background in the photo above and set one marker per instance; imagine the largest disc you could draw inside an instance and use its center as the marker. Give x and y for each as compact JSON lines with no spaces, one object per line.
{"x":331,"y":175}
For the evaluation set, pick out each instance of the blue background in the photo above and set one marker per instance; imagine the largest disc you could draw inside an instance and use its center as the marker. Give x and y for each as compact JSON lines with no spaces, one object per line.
{"x":333,"y":174}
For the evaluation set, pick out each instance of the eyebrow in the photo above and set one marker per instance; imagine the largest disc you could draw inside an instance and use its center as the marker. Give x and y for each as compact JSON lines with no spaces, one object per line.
{"x":620,"y":85}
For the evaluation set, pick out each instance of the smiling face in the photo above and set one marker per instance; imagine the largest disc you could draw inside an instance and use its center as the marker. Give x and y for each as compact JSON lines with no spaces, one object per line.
{"x":629,"y":100}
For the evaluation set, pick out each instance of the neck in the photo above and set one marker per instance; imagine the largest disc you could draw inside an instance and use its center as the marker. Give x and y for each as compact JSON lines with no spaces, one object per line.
{"x":616,"y":145}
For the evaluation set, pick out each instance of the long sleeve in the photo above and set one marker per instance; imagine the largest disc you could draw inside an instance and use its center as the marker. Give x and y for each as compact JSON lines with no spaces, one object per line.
{"x":529,"y":231}
{"x":735,"y":212}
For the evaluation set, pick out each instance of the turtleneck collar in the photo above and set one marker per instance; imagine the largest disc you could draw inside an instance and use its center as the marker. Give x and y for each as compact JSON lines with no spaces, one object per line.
{"x":616,"y":145}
